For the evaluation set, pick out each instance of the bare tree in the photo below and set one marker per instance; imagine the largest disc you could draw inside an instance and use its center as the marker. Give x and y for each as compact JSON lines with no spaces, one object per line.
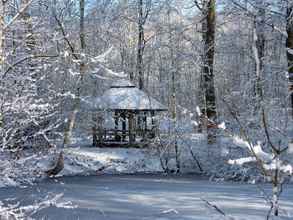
{"x":208,"y":11}
{"x":289,"y":44}
{"x":270,"y":163}
{"x":259,"y":50}
{"x":174,"y":75}
{"x":2,"y":36}
{"x":143,"y":13}
{"x":82,"y":67}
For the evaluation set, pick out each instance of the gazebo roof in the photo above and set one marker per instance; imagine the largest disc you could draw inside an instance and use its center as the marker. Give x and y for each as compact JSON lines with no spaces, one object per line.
{"x":122,"y":84}
{"x":123,"y":95}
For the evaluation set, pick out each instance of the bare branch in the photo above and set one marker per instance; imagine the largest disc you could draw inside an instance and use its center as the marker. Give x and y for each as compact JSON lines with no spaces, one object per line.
{"x":24,"y":59}
{"x":214,"y":207}
{"x":17,"y":15}
{"x":72,"y":49}
{"x":243,"y":131}
{"x":276,"y":151}
{"x":197,"y":5}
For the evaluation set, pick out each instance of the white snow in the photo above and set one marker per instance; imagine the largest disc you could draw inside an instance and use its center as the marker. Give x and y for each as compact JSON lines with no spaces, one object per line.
{"x":122,"y":95}
{"x":88,"y":160}
{"x":261,"y":154}
{"x":241,"y":142}
{"x":102,"y":58}
{"x":198,"y":111}
{"x":115,"y":74}
{"x":147,"y":197}
{"x":287,"y":169}
{"x":79,"y":161}
{"x":290,"y":148}
{"x":18,"y":212}
{"x":242,"y":161}
{"x":222,"y":126}
{"x":122,"y":83}
{"x":128,"y":98}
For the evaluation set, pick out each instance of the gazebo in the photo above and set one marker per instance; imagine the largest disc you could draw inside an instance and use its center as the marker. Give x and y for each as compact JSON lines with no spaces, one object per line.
{"x":126,"y":116}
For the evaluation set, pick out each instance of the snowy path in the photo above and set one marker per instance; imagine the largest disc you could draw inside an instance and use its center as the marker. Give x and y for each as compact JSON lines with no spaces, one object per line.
{"x":146,"y":197}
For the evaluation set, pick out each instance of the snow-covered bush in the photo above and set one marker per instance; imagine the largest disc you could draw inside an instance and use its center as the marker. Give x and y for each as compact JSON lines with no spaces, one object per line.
{"x":17,"y":212}
{"x":269,"y":156}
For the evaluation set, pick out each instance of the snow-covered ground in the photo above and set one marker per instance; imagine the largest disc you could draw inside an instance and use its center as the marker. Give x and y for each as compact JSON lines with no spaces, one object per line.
{"x":145,"y":197}
{"x":89,"y":160}
{"x":80,"y":159}
{"x":84,"y":189}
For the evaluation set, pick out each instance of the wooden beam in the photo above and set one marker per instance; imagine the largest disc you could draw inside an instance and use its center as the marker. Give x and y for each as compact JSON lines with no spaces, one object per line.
{"x":130,"y":128}
{"x":123,"y":126}
{"x":116,"y":118}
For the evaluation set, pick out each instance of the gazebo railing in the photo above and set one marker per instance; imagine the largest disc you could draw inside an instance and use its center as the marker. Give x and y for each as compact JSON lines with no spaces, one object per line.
{"x":119,"y":135}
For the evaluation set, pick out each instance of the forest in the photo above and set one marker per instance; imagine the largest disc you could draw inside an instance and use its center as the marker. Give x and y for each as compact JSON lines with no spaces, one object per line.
{"x":147,"y":109}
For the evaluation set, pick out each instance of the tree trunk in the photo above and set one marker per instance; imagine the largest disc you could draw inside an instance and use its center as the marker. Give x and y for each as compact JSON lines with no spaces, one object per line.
{"x":131,"y":128}
{"x":140,"y":45}
{"x":276,"y":190}
{"x":208,"y":29}
{"x":29,"y":34}
{"x":2,"y":54}
{"x":2,"y":36}
{"x":31,"y":45}
{"x":289,"y":44}
{"x":259,"y":52}
{"x":174,"y":72}
{"x":72,"y":118}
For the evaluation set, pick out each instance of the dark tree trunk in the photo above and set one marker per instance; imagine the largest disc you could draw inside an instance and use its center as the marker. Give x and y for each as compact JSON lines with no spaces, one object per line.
{"x":131,"y":128}
{"x":259,"y":38}
{"x":208,"y":28}
{"x":289,"y":44}
{"x":140,"y":45}
{"x":81,"y":25}
{"x":2,"y":38}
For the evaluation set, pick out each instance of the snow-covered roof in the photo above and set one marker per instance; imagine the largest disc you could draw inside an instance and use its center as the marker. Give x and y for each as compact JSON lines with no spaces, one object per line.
{"x":123,"y":95}
{"x":122,"y":84}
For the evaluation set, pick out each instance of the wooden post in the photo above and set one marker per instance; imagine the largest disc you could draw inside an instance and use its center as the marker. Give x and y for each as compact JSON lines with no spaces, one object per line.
{"x":95,"y":139}
{"x":145,"y":121}
{"x":100,"y":128}
{"x":145,"y":126}
{"x":130,"y":128}
{"x":153,"y":132}
{"x":116,"y":118}
{"x":152,"y":115}
{"x":94,"y":130}
{"x":123,"y":126}
{"x":139,"y":124}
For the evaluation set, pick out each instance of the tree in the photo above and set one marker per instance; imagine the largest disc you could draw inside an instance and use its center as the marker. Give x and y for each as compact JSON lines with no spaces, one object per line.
{"x":2,"y":36}
{"x":29,"y":35}
{"x":259,"y":50}
{"x":289,"y":44}
{"x":82,"y":67}
{"x":24,"y":113}
{"x":173,"y":46}
{"x":143,"y":13}
{"x":271,"y":163}
{"x":208,"y":11}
